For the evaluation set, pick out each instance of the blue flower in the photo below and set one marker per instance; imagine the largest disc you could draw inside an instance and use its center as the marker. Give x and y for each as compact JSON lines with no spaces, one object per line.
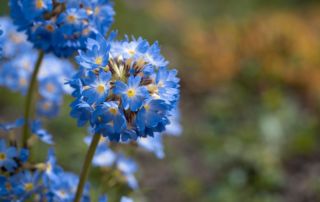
{"x":129,"y":49}
{"x":48,"y":108}
{"x":15,"y":73}
{"x":61,"y":27}
{"x":25,"y":183}
{"x":12,"y":125}
{"x":132,"y":94}
{"x":153,"y":144}
{"x":35,"y":8}
{"x":152,"y":113}
{"x":166,"y":86}
{"x":96,"y":55}
{"x":43,"y":135}
{"x":82,"y":111}
{"x":104,"y":156}
{"x":111,"y":119}
{"x":64,"y":187}
{"x":5,"y":190}
{"x":153,"y":56}
{"x":103,"y":198}
{"x":96,"y":88}
{"x":24,"y":155}
{"x":128,"y":167}
{"x":174,"y":128}
{"x":7,"y":156}
{"x":50,"y":88}
{"x":13,"y":42}
{"x":51,"y":170}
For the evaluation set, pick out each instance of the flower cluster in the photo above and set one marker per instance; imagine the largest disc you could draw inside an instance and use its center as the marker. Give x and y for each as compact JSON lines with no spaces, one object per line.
{"x":61,"y":26}
{"x":20,"y":181}
{"x":124,"y":89}
{"x":17,"y":65}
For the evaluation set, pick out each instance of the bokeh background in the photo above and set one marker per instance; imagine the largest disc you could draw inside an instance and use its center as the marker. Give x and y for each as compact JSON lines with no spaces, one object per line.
{"x":250,"y":104}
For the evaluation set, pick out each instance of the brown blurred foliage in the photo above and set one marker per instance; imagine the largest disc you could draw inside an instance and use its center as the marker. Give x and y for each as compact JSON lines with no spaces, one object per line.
{"x":283,"y":44}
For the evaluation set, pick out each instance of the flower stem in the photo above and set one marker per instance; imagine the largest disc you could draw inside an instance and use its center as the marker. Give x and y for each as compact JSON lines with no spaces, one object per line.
{"x":86,"y":166}
{"x":28,"y":102}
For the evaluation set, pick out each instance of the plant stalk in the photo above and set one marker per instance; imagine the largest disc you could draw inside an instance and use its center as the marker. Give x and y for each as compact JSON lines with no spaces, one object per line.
{"x":86,"y":166}
{"x":28,"y":101}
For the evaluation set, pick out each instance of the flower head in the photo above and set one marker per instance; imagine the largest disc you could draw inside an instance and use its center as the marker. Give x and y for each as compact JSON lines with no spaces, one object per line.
{"x":7,"y":156}
{"x":121,"y":91}
{"x":61,"y":26}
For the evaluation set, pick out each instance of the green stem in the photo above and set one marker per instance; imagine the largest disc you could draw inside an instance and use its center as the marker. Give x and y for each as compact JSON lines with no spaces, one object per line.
{"x":86,"y":166}
{"x":28,"y":102}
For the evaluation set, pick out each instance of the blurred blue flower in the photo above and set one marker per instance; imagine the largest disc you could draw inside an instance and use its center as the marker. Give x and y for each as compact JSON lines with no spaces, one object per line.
{"x":25,"y":183}
{"x":43,"y":135}
{"x":12,"y":125}
{"x":7,"y":156}
{"x":103,"y":198}
{"x":64,"y":187}
{"x":128,"y":167}
{"x":50,"y":168}
{"x":13,"y":42}
{"x":153,"y":144}
{"x":48,"y":108}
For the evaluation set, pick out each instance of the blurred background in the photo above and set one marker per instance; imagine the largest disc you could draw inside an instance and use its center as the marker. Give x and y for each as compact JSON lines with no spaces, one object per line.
{"x":250,"y":104}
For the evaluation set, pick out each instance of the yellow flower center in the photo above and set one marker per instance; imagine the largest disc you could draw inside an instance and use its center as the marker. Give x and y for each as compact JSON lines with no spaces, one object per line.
{"x":98,"y":61}
{"x":22,"y":82}
{"x":39,"y":4}
{"x":46,"y":106}
{"x":147,"y":107}
{"x":50,"y":28}
{"x":49,"y":167}
{"x":113,"y":111}
{"x":89,"y":11}
{"x":62,"y":193}
{"x":28,"y":186}
{"x":102,"y":139}
{"x":153,"y":88}
{"x":160,"y":84}
{"x":100,"y":88}
{"x":86,"y":32}
{"x":50,"y":88}
{"x":2,"y":156}
{"x":96,"y":10}
{"x":71,"y":18}
{"x":131,"y":92}
{"x":131,"y":52}
{"x":16,"y":38}
{"x":8,"y":186}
